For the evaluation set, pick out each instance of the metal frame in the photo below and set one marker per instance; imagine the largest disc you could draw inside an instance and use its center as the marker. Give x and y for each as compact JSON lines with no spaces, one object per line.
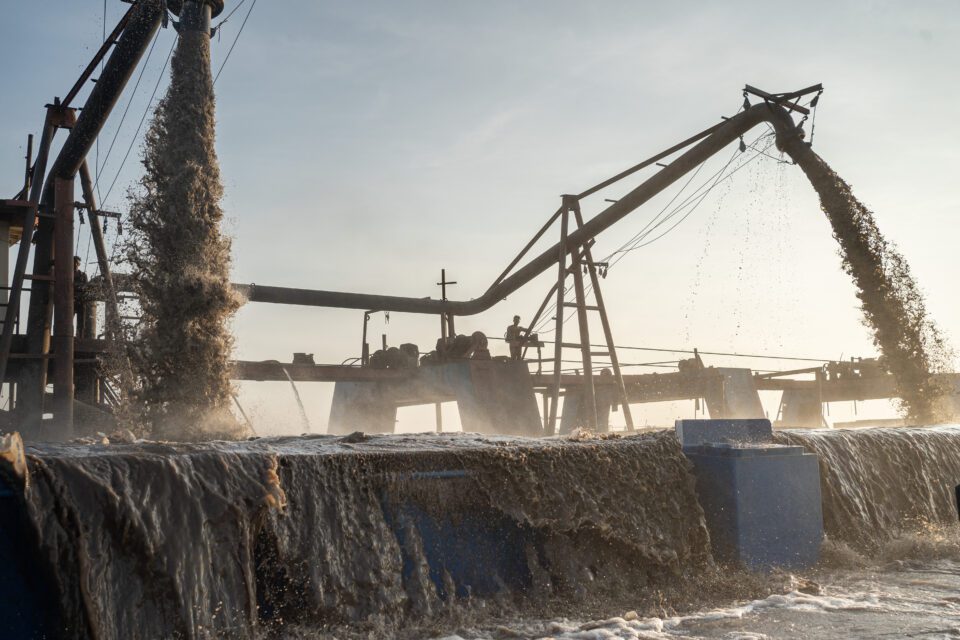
{"x":711,"y":141}
{"x":51,"y":196}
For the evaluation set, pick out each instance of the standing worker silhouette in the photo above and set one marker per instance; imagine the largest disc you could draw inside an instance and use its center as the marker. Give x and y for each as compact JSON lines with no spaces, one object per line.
{"x":80,"y":282}
{"x":514,"y":337}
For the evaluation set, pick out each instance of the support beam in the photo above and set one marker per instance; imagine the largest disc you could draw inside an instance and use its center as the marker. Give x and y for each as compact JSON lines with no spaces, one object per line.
{"x":62,"y":428}
{"x":576,"y":270}
{"x":561,"y":249}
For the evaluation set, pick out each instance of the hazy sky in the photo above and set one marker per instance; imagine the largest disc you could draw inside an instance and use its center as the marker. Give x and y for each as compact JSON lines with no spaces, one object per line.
{"x":365,"y":146}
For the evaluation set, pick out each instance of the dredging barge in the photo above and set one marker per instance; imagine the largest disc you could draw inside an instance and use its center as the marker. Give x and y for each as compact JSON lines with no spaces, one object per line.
{"x":154,"y":539}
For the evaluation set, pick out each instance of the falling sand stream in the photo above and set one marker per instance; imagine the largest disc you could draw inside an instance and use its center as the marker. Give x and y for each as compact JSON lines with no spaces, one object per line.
{"x":893,"y":306}
{"x":180,"y":260}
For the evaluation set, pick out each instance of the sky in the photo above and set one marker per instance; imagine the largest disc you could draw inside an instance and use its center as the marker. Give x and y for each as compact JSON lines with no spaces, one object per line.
{"x":366,"y":146}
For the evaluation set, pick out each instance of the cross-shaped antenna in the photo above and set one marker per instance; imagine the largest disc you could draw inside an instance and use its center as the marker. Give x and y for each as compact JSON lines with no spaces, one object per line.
{"x":446,"y":319}
{"x":443,"y":283}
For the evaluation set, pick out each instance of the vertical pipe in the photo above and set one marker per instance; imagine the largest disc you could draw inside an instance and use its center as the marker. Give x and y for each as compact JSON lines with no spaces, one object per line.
{"x":63,"y":308}
{"x":546,"y":410}
{"x":86,"y":186}
{"x":558,"y":338}
{"x":364,"y":347}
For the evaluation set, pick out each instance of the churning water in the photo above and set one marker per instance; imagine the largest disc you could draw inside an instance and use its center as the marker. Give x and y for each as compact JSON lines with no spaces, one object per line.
{"x":290,"y":538}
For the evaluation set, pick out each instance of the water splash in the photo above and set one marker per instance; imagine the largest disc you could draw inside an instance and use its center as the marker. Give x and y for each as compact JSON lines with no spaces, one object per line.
{"x":180,"y":261}
{"x":879,"y":485}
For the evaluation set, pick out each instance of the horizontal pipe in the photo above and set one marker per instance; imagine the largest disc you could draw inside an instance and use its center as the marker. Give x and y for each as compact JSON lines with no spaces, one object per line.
{"x":729,"y":131}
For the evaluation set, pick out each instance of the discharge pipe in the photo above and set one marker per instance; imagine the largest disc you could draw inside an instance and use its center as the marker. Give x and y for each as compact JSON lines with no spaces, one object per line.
{"x":195,"y":15}
{"x":789,"y":139}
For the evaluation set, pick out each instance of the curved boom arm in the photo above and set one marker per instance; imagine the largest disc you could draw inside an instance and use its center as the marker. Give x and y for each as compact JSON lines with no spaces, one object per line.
{"x":787,"y":138}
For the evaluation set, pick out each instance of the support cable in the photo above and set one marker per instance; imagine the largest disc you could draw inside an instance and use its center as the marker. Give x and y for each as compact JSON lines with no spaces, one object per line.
{"x":146,"y":111}
{"x":695,"y":199}
{"x":236,"y":39}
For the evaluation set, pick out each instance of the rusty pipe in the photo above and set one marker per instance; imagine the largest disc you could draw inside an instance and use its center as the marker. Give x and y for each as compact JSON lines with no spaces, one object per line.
{"x":788,"y":138}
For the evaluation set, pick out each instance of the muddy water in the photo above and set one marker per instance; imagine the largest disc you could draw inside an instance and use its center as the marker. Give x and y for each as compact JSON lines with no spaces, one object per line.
{"x":914,"y":599}
{"x":890,"y":567}
{"x":879,"y":484}
{"x":201,"y":541}
{"x":304,"y":538}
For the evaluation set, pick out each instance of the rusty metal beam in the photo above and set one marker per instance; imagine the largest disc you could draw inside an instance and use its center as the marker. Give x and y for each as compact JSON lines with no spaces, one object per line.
{"x":98,"y":56}
{"x":722,"y":136}
{"x":63,"y":310}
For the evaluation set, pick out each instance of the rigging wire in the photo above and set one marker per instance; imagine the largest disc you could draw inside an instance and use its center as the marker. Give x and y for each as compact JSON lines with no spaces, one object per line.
{"x":229,"y":15}
{"x":236,"y":39}
{"x":694,"y":204}
{"x":123,"y":117}
{"x":694,"y":199}
{"x":143,"y":119}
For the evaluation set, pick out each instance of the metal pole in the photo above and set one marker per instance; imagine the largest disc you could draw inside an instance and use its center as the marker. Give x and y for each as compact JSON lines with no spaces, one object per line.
{"x":23,"y":253}
{"x":26,"y":170}
{"x":558,"y":344}
{"x":546,"y":410}
{"x":589,"y":392}
{"x":103,"y":261}
{"x":63,"y":341}
{"x":443,"y":296}
{"x":529,"y":244}
{"x":439,"y":417}
{"x":112,"y":307}
{"x":364,"y":347}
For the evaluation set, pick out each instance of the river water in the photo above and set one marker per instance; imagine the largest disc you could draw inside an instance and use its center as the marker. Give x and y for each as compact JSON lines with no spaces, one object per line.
{"x":903,"y":599}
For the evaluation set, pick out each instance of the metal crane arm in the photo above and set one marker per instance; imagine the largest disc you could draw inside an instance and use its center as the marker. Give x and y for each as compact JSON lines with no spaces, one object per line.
{"x":727,"y":132}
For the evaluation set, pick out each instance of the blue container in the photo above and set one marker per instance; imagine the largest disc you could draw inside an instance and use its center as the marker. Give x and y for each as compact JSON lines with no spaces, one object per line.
{"x":761,"y":500}
{"x":470,"y":548}
{"x":28,"y":601}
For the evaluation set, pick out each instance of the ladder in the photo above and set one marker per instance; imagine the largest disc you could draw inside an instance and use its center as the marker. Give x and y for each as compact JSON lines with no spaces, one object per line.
{"x":47,"y":225}
{"x":581,"y":263}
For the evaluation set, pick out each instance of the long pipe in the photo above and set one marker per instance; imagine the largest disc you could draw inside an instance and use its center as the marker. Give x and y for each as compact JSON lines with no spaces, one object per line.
{"x":729,"y":131}
{"x":142,"y":24}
